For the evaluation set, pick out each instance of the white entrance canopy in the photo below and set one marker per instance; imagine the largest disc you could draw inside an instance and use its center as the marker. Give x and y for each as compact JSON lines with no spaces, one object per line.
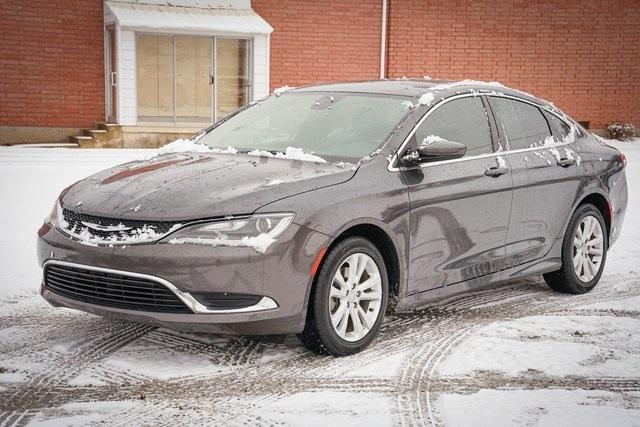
{"x":189,"y":16}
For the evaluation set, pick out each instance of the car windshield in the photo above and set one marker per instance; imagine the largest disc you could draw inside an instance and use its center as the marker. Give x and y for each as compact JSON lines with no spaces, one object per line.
{"x":334,"y":126}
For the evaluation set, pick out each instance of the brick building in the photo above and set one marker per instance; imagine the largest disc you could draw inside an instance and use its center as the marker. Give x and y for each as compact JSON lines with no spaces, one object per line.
{"x":160,"y":69}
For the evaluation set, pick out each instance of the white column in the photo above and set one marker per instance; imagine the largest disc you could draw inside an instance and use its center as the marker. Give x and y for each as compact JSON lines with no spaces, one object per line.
{"x":260,"y":66}
{"x":126,"y":64}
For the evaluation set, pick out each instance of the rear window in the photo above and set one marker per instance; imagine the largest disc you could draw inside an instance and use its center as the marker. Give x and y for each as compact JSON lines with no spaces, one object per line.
{"x":522,"y":125}
{"x":559,"y":128}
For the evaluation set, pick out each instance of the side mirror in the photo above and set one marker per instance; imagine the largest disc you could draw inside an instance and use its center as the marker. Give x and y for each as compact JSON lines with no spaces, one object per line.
{"x":434,"y":149}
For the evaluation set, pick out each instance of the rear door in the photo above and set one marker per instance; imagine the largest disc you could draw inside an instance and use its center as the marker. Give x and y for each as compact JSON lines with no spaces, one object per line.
{"x":544,"y":179}
{"x":459,"y":214}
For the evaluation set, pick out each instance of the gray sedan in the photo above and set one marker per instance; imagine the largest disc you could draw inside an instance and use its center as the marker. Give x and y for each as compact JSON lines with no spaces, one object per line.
{"x":317,"y":210}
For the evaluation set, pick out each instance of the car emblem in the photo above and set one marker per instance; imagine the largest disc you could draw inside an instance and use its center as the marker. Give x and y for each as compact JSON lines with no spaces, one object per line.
{"x":98,"y":227}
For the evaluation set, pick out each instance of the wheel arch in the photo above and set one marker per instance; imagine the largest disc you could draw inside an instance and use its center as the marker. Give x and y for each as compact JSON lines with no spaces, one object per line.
{"x":382,"y":238}
{"x":596,"y":197}
{"x":602,"y":204}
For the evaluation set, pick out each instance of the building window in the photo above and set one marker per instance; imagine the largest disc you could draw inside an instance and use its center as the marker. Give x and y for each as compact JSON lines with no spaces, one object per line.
{"x":191,"y":79}
{"x":154,"y":65}
{"x":233,"y":75}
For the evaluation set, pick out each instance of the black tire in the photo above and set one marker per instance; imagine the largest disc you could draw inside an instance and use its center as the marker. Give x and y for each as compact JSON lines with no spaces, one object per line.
{"x":319,"y":334}
{"x":566,"y":280}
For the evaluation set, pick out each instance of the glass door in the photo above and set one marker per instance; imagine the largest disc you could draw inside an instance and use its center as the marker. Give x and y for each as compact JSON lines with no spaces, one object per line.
{"x":191,"y":79}
{"x":194,"y":57}
{"x":154,"y":67}
{"x":233,"y":83}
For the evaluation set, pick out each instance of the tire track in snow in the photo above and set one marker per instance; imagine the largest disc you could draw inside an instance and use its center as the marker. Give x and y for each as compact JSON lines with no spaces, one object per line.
{"x":256,"y":382}
{"x":36,"y":392}
{"x":479,"y":314}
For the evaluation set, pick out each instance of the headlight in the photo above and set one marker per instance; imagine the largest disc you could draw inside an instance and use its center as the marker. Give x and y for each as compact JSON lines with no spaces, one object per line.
{"x":55,"y":217}
{"x":257,"y":231}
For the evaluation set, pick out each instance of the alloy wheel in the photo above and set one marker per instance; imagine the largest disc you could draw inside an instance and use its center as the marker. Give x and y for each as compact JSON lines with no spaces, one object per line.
{"x":588,"y":247}
{"x":355,"y":297}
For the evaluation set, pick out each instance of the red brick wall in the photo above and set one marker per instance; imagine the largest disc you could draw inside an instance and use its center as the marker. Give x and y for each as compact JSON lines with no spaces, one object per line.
{"x":322,"y":41}
{"x":582,"y":55}
{"x":51,"y":63}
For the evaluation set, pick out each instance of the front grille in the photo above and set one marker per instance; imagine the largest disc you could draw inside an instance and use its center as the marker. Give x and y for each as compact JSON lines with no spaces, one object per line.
{"x":75,"y":225}
{"x":112,"y":289}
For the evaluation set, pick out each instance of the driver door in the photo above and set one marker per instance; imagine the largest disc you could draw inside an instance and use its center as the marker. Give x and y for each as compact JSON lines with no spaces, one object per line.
{"x":459,"y":208}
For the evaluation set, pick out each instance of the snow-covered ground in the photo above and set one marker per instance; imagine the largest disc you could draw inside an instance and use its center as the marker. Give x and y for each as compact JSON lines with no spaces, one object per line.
{"x":519,"y":355}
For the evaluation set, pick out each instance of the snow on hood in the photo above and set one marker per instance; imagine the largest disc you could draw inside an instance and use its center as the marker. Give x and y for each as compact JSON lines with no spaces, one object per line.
{"x":184,"y":186}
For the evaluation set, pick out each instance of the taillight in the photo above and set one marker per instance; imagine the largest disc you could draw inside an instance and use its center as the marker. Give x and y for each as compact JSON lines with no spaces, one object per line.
{"x":623,"y":160}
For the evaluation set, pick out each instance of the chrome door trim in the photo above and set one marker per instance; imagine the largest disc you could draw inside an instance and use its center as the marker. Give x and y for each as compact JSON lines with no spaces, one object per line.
{"x":265,"y":303}
{"x":391,"y":167}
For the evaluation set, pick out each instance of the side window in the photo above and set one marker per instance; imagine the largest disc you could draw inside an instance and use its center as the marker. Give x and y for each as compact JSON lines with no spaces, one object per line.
{"x":462,"y":120}
{"x":522,"y":124}
{"x":559,"y":128}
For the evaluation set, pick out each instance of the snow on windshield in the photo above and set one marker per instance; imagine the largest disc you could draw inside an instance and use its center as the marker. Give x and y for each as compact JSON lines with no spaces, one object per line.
{"x":193,"y":146}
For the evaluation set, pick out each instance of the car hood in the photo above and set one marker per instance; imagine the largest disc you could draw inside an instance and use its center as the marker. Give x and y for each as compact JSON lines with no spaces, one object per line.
{"x":196,"y":186}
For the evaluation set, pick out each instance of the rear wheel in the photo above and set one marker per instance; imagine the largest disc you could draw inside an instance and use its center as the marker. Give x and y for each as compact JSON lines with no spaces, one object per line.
{"x":584,"y":252}
{"x":349,"y":299}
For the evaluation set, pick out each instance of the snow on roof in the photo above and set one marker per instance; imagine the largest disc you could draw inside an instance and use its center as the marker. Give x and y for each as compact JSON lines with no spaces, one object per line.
{"x":200,"y":16}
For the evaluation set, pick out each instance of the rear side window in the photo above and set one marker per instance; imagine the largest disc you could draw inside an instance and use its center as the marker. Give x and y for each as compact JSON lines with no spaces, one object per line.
{"x":462,"y":120}
{"x":521,"y":124}
{"x":559,"y":128}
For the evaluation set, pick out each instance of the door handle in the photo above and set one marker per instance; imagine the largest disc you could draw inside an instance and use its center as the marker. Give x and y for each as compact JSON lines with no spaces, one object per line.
{"x":565,"y":162}
{"x":496,"y":171}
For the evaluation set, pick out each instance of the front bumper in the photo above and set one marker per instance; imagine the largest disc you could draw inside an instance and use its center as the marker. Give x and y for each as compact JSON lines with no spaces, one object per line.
{"x":281,"y":276}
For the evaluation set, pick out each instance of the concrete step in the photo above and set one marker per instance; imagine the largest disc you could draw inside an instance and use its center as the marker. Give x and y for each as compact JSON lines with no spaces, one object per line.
{"x":94,"y":133}
{"x":82,"y":141}
{"x":107,"y":126}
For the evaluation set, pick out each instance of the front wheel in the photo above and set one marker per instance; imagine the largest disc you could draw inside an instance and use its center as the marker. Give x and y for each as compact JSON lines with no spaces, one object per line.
{"x":349,"y":299}
{"x":584,"y":252}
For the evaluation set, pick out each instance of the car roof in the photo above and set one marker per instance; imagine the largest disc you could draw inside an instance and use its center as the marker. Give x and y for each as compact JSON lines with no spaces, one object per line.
{"x":415,"y":88}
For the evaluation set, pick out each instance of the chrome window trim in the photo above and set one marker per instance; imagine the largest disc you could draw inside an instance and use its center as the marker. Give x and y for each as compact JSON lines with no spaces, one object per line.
{"x":391,"y":167}
{"x":265,"y":303}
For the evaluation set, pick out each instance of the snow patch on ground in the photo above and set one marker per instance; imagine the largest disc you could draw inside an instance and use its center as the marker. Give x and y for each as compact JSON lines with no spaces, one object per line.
{"x":593,"y":339}
{"x":499,"y":408}
{"x":328,"y":408}
{"x":589,"y":345}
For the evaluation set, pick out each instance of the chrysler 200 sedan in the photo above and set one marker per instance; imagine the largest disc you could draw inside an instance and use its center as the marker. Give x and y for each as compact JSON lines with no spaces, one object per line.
{"x":316,"y":211}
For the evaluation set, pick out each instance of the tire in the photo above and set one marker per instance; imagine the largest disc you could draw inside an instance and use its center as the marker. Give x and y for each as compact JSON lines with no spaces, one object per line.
{"x":319,"y":333}
{"x":568,"y":279}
